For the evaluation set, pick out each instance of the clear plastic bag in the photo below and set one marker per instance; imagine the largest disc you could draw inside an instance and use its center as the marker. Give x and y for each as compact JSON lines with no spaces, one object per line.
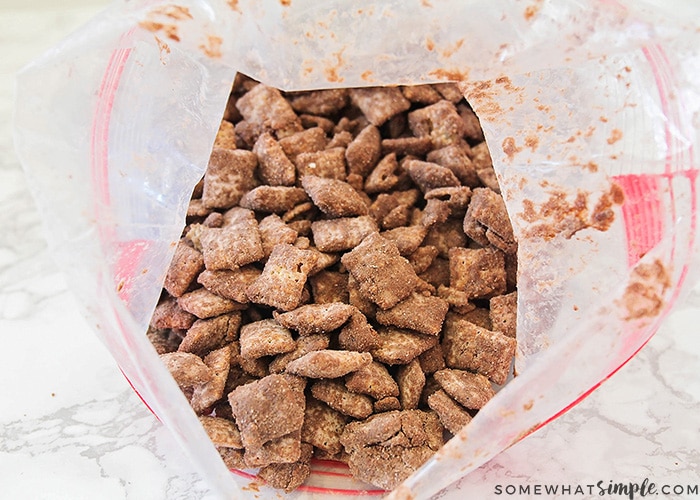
{"x":582,"y":106}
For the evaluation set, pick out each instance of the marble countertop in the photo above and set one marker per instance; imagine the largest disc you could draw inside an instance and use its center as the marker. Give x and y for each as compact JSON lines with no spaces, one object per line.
{"x":72,"y":428}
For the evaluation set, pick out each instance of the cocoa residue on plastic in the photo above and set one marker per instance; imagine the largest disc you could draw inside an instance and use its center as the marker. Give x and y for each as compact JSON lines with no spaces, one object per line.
{"x":615,"y":136}
{"x":644,"y":296}
{"x":562,"y":216}
{"x":169,"y":30}
{"x":213,"y":46}
{"x":510,"y":148}
{"x":163,"y":48}
{"x":176,"y":12}
{"x":450,"y":74}
{"x":532,"y":10}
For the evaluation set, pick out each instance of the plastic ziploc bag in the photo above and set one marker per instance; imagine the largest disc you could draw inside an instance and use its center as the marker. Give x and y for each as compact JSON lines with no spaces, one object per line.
{"x":591,"y":113}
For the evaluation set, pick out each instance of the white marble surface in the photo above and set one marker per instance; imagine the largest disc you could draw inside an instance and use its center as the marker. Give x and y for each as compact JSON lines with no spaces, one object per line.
{"x":71,"y":428}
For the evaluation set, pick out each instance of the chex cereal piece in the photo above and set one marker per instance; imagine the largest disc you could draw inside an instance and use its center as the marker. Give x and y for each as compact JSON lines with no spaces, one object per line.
{"x":276,"y":199}
{"x":432,"y":360}
{"x":204,"y":304}
{"x":450,"y":91}
{"x":478,"y":271}
{"x":205,"y":395}
{"x":329,"y":286}
{"x":246,"y":134}
{"x":208,"y":334}
{"x":333,"y":197}
{"x":358,"y":334}
{"x":357,"y":299}
{"x":229,"y":175}
{"x":452,"y":416}
{"x":187,"y":369}
{"x":340,"y":139}
{"x":304,"y":345}
{"x":196,"y":208}
{"x":225,"y":136}
{"x":456,"y":298}
{"x":421,"y":94}
{"x":399,"y":216}
{"x":338,"y":397}
{"x":386,"y":202}
{"x":214,"y":219}
{"x":344,"y":233}
{"x":471,"y":390}
{"x":162,"y":339}
{"x":323,"y":426}
{"x":376,"y":429}
{"x":312,"y":121}
{"x":481,"y":158}
{"x":503,"y":312}
{"x":398,"y":346}
{"x":268,"y":408}
{"x":374,"y":380}
{"x":402,"y":146}
{"x":456,"y":197}
{"x":487,"y":221}
{"x":480,"y":316}
{"x":187,"y":263}
{"x":363,"y":153}
{"x":410,"y":379}
{"x":422,"y":313}
{"x":284,"y":449}
{"x":382,"y":177}
{"x":456,"y":158}
{"x":231,"y":246}
{"x":316,"y":318}
{"x":389,"y":403}
{"x":473,"y":130}
{"x":328,"y":363}
{"x":469,"y":347}
{"x":436,"y":211}
{"x":379,"y":104}
{"x":438,"y":273}
{"x":229,"y":284}
{"x":257,"y":367}
{"x":222,"y":432}
{"x":422,"y":258}
{"x":329,"y":163}
{"x":383,"y":276}
{"x":281,"y":284}
{"x":445,"y":236}
{"x":324,"y":102}
{"x":265,"y":338}
{"x":274,"y":230}
{"x":232,"y":458}
{"x":430,"y":175}
{"x":288,"y":476}
{"x":274,"y":167}
{"x":265,"y":107}
{"x":313,"y":139}
{"x":168,"y":314}
{"x":439,"y":121}
{"x":407,"y":238}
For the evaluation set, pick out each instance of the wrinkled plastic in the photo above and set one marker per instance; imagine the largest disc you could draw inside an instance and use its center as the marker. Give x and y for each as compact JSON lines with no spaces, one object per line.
{"x":578,"y":101}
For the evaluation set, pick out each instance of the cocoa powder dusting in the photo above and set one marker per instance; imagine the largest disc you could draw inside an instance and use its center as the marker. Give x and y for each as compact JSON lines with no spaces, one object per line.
{"x":644,"y":296}
{"x":510,"y":148}
{"x":615,"y":136}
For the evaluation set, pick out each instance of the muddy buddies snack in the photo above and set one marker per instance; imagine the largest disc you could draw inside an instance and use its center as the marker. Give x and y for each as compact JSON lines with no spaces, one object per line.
{"x":345,"y":285}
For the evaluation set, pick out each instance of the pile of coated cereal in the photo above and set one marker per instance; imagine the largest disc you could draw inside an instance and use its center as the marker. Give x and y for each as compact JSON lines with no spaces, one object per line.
{"x":345,"y":286}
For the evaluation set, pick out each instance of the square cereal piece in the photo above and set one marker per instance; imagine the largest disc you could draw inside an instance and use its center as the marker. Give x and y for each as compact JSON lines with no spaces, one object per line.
{"x":473,"y":131}
{"x":323,"y":259}
{"x":421,"y":94}
{"x":328,"y":364}
{"x":168,"y":314}
{"x":355,"y":298}
{"x":421,"y":313}
{"x":487,"y":221}
{"x":457,"y":299}
{"x":446,"y":235}
{"x":204,"y":304}
{"x":225,"y":136}
{"x":268,"y":408}
{"x":450,"y":91}
{"x":469,"y":347}
{"x":329,"y":163}
{"x":273,"y":230}
{"x":205,"y":395}
{"x":456,"y":158}
{"x":323,"y":426}
{"x":187,"y":369}
{"x":374,"y":380}
{"x":229,"y":175}
{"x":405,"y":146}
{"x":389,"y":403}
{"x":329,"y":286}
{"x":436,"y":211}
{"x":325,"y":102}
{"x":422,"y":258}
{"x":481,"y":158}
{"x":340,"y":139}
{"x":284,"y":449}
{"x":407,"y":238}
{"x":440,"y":122}
{"x":265,"y":338}
{"x":230,"y":284}
{"x":432,"y":360}
{"x":383,"y":276}
{"x":480,"y":316}
{"x":266,"y":107}
{"x":338,"y":397}
{"x":316,"y":318}
{"x":456,"y":197}
{"x":306,"y":141}
{"x":386,"y":202}
{"x":503,"y":311}
{"x":207,"y":334}
{"x":382,"y":178}
{"x":187,"y":263}
{"x":274,"y":167}
{"x":304,"y":345}
{"x":232,"y":458}
{"x":288,"y":476}
{"x":281,"y":284}
{"x":196,"y":208}
{"x":162,"y":339}
{"x":228,"y":247}
{"x":312,"y":121}
{"x":438,"y":274}
{"x":411,"y":380}
{"x":452,"y":416}
{"x":246,"y":134}
{"x":275,"y":199}
{"x":222,"y":432}
{"x":333,"y":197}
{"x":480,"y":272}
{"x":379,"y":104}
{"x":344,"y":233}
{"x":358,"y":334}
{"x":471,"y":390}
{"x":399,"y":347}
{"x":363,"y":153}
{"x":429,"y":175}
